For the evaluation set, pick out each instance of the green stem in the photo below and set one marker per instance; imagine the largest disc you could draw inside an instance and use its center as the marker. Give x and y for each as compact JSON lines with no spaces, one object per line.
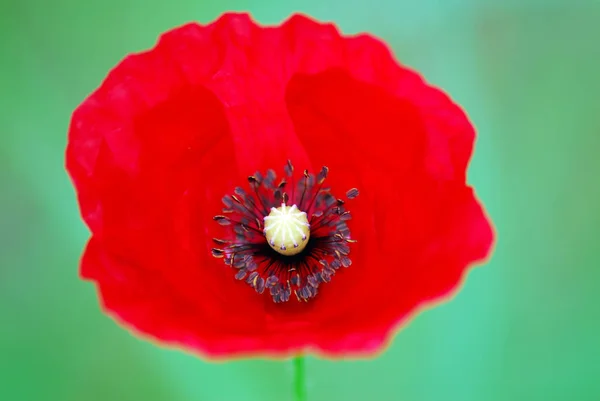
{"x":299,"y":379}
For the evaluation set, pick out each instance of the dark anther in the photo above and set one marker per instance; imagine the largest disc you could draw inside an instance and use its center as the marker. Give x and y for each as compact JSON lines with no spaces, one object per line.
{"x":270,"y":178}
{"x":289,"y":168}
{"x":259,"y":285}
{"x":222,"y":220}
{"x":218,"y":253}
{"x":322,"y":175}
{"x":352,"y":193}
{"x":345,"y":261}
{"x":271,"y":281}
{"x":313,"y":281}
{"x":318,"y":213}
{"x":240,"y":274}
{"x":252,"y":278}
{"x":227,"y":201}
{"x":253,"y":181}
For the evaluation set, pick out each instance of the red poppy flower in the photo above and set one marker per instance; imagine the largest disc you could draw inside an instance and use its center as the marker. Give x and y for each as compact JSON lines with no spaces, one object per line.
{"x":199,"y":171}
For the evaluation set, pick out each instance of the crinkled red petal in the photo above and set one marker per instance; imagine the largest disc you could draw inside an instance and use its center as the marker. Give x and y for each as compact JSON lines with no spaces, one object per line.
{"x":172,"y":130}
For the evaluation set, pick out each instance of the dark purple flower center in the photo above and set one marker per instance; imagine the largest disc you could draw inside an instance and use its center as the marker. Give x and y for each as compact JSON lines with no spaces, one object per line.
{"x":264,"y":256}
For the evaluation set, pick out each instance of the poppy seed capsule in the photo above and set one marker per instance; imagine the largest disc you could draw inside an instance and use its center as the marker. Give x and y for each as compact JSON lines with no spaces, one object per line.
{"x":287,"y":229}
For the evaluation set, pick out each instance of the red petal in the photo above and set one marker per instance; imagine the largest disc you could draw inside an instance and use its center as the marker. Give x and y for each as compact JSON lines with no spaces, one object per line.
{"x":172,"y":130}
{"x":247,"y":79}
{"x":380,"y":143}
{"x":450,"y":135}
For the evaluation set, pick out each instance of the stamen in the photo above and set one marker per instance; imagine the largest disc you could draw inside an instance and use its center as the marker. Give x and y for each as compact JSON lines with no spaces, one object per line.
{"x":270,"y":241}
{"x":352,"y":193}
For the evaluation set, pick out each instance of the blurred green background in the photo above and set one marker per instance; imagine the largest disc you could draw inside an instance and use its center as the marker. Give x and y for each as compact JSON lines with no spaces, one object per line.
{"x":524,"y":327}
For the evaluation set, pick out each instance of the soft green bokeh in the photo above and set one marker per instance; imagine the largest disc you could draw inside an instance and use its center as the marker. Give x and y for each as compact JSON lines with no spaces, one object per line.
{"x":524,"y":327}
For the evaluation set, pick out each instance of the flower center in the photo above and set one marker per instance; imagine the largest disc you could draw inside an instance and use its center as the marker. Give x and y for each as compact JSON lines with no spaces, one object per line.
{"x":287,"y":230}
{"x":286,"y":238}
